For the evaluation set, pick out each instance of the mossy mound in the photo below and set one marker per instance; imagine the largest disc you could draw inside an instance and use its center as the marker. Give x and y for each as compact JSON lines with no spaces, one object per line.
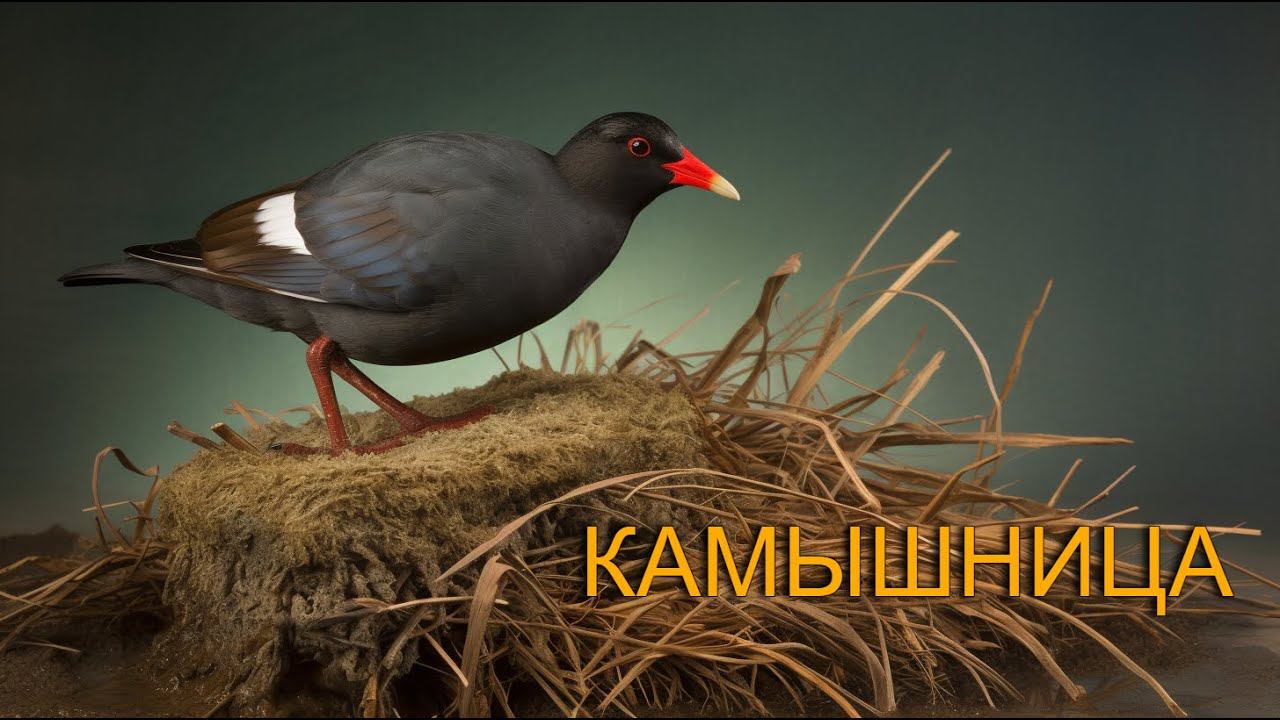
{"x":266,"y":546}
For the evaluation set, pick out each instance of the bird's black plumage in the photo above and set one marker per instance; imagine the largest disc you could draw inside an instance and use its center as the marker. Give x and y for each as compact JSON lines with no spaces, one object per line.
{"x":423,"y":247}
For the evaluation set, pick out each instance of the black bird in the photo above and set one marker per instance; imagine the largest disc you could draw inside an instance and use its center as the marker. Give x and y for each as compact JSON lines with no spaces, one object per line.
{"x":421,"y":248}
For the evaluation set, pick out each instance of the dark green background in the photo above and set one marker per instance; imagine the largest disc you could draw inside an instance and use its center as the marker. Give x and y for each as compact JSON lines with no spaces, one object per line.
{"x":1131,"y":153}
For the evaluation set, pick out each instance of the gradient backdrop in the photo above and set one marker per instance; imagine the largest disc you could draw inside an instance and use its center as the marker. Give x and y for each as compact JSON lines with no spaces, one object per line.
{"x":1130,"y":153}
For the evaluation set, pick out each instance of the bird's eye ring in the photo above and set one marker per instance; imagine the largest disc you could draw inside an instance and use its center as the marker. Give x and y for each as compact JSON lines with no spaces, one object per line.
{"x":639,"y":147}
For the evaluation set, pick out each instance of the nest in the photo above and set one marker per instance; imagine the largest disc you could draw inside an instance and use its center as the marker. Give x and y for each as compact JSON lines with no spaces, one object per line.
{"x":448,"y":576}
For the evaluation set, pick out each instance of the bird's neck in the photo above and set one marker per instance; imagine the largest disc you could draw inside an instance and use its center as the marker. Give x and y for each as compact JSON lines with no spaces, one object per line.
{"x":590,"y":180}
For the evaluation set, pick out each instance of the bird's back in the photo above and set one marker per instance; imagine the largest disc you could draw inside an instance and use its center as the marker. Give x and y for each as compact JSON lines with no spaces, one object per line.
{"x":434,"y":162}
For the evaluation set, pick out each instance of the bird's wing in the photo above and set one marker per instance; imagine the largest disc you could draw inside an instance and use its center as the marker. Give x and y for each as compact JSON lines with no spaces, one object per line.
{"x":243,"y":233}
{"x":370,"y":230}
{"x":254,"y":242}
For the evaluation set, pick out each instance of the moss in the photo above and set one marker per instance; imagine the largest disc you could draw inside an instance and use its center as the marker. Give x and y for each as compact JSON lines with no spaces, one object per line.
{"x":265,"y":546}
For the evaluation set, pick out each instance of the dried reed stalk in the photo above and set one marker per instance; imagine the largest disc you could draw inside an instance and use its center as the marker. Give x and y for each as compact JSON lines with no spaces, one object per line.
{"x":124,"y":578}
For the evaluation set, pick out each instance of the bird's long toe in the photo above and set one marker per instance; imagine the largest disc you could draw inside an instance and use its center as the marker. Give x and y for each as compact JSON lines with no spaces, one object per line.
{"x":426,"y":424}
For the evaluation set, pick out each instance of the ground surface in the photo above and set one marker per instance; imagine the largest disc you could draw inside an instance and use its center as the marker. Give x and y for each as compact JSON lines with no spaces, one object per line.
{"x":1227,"y":668}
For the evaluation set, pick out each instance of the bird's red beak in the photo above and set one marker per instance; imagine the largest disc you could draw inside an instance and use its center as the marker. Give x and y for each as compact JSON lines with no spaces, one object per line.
{"x":689,"y":170}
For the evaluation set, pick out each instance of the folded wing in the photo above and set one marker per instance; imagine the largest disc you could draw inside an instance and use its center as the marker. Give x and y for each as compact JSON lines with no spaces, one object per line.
{"x":370,"y":231}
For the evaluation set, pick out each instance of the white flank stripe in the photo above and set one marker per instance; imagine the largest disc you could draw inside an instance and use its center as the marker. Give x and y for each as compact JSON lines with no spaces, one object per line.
{"x":275,"y":219}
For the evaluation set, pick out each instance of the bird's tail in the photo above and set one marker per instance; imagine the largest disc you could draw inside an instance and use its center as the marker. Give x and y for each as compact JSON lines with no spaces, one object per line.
{"x":116,"y":273}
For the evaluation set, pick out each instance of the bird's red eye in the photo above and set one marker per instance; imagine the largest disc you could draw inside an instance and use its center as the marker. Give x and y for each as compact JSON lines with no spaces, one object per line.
{"x":638,"y":147}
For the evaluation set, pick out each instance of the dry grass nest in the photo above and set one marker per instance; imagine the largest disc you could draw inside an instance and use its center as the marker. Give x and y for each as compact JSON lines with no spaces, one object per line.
{"x":448,"y":576}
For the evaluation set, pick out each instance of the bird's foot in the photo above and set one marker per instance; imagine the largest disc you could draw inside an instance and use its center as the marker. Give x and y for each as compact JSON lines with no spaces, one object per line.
{"x":420,"y":423}
{"x":416,"y":426}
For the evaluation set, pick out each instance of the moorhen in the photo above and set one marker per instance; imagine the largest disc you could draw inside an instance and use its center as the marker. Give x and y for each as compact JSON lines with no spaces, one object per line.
{"x":421,"y":248}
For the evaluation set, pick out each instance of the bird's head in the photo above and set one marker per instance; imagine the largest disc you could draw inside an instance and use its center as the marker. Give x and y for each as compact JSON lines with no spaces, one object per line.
{"x":627,"y":159}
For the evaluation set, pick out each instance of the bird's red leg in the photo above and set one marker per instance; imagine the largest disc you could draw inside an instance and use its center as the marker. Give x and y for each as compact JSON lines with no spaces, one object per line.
{"x":321,"y":355}
{"x":325,"y":359}
{"x":411,"y":420}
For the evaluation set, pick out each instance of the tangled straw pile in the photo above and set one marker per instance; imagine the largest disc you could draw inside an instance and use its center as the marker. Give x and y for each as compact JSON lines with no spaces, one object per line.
{"x":515,"y":623}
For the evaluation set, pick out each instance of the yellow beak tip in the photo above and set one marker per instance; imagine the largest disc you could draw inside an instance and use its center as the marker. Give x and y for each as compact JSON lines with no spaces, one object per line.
{"x":724,"y":188}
